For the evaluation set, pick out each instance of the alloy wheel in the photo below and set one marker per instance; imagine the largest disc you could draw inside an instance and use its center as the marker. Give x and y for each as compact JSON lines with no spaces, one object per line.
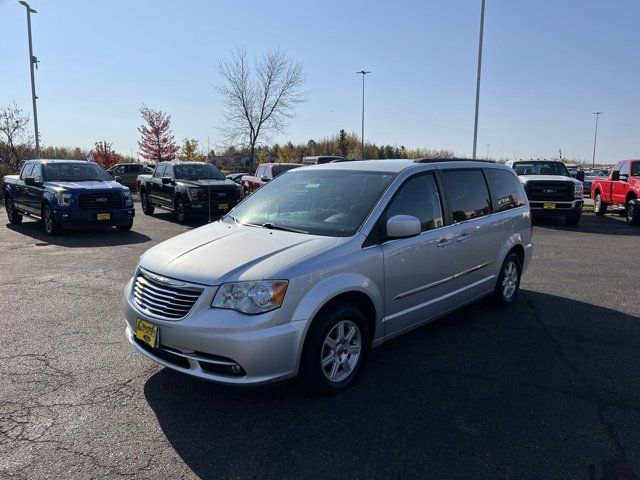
{"x":510,"y":280}
{"x":341,"y":351}
{"x":48,"y":219}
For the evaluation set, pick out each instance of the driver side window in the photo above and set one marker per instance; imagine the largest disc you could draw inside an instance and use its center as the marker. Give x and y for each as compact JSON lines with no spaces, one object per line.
{"x":26,"y":171}
{"x":624,"y":169}
{"x":419,"y":197}
{"x":37,"y":173}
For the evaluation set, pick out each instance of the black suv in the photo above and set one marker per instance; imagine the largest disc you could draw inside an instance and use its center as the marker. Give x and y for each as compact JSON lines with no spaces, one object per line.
{"x":189,"y":189}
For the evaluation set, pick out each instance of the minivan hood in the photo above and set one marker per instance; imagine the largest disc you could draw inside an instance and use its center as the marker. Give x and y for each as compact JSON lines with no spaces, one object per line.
{"x":223,"y":252}
{"x":547,"y":178}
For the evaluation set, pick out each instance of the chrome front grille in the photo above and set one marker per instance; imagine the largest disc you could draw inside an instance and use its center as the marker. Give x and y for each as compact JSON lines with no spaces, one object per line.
{"x":164,"y":297}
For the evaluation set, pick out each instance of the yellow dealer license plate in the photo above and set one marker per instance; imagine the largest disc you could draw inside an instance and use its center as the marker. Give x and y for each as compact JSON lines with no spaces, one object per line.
{"x":223,"y":206}
{"x":147,"y":332}
{"x":104,"y":216}
{"x":549,"y":206}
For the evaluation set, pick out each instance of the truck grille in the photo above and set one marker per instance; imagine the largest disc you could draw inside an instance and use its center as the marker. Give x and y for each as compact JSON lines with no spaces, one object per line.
{"x":164,"y":297}
{"x":550,"y":190}
{"x":231,"y":195}
{"x":99,"y":201}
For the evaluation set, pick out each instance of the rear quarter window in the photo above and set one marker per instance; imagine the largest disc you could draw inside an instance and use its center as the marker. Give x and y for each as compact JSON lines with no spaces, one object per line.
{"x":506,"y":190}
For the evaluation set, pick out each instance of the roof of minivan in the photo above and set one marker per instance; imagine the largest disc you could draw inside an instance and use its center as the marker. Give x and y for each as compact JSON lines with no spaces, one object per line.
{"x":395,"y":165}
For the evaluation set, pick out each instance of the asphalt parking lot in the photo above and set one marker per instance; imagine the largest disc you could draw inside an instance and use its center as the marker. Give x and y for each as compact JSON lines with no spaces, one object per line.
{"x":546,"y":389}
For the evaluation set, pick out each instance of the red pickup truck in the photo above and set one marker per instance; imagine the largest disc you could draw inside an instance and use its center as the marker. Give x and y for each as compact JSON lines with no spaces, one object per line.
{"x":621,"y":188}
{"x":265,"y":173}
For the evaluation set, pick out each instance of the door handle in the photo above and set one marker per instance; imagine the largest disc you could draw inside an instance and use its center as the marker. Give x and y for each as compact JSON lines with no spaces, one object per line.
{"x":463,"y":237}
{"x":444,"y":241}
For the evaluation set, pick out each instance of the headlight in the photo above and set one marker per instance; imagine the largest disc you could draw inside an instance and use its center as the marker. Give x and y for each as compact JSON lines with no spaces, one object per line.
{"x":578,"y":191}
{"x":251,"y":297}
{"x":192,"y":193}
{"x":63,"y":198}
{"x":127,"y":197}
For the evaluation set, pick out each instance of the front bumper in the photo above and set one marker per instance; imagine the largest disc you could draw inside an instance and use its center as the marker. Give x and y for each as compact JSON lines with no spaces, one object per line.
{"x":217,"y":208}
{"x":562,"y":209}
{"x":82,"y":217}
{"x":208,"y":342}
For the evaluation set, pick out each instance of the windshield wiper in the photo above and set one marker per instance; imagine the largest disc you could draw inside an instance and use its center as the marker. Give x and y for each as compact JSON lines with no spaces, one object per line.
{"x":272,"y":226}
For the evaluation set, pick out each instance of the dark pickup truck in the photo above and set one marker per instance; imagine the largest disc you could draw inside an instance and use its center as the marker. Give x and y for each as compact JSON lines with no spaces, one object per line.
{"x":189,"y":189}
{"x":67,"y":192}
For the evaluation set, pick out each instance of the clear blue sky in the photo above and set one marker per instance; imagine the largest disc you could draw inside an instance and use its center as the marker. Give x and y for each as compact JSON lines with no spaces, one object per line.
{"x":548,"y":64}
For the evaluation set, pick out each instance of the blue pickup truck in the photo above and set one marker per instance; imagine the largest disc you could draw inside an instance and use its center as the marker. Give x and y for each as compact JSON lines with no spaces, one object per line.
{"x":67,"y":192}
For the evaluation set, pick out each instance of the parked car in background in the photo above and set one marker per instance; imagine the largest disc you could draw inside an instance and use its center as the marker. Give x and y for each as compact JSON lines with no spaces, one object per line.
{"x":236,"y":177}
{"x":67,"y":192}
{"x":319,"y":160}
{"x":325,"y":262}
{"x":127,"y":173}
{"x":265,"y":173}
{"x":620,"y":189}
{"x":189,"y":189}
{"x":551,"y":190}
{"x":589,"y":176}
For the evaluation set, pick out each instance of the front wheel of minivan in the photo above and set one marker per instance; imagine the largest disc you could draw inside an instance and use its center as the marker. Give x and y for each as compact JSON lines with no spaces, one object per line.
{"x":508,"y":284}
{"x":334,"y":351}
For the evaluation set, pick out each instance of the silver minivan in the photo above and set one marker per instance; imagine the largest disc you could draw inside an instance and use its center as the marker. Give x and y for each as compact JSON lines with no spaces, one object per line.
{"x":310,"y":272}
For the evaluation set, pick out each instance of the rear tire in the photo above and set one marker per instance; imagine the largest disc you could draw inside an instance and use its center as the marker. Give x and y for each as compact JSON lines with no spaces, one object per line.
{"x":51,"y":227}
{"x":335,"y":349}
{"x":633,"y":212}
{"x":14,"y":217}
{"x":508,"y":284}
{"x":147,"y":208}
{"x":599,"y":207}
{"x":572,"y":220}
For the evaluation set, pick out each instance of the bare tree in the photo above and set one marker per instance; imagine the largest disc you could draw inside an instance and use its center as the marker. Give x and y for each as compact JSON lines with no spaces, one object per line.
{"x":258,"y":101}
{"x":16,"y":141}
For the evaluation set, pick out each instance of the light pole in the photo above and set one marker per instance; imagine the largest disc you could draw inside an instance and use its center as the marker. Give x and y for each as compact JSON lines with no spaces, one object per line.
{"x":595,"y":139}
{"x":475,"y":126}
{"x":32,"y":60}
{"x":363,"y":73}
{"x":488,"y":145}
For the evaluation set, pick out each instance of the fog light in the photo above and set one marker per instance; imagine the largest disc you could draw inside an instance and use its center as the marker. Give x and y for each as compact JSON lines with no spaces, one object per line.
{"x":236,"y":369}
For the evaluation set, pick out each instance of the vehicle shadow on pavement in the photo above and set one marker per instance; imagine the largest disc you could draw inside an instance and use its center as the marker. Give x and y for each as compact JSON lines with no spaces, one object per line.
{"x":605,"y":225}
{"x":80,"y":237}
{"x":544,"y":389}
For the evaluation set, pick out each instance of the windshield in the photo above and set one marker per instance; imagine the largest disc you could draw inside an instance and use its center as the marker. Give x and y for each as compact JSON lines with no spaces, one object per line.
{"x":331,"y":203}
{"x":75,"y":172}
{"x":279,"y":169}
{"x":197,"y":171}
{"x":541,"y":168}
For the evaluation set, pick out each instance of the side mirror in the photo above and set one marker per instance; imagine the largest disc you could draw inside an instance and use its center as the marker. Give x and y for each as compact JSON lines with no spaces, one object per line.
{"x":264,"y":178}
{"x":118,"y":179}
{"x":615,"y":175}
{"x":30,"y":181}
{"x":580,"y":175}
{"x":166,"y":180}
{"x":403,"y":226}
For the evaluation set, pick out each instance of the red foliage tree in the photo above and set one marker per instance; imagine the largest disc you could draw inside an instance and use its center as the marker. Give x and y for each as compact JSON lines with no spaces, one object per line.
{"x":104,"y":155}
{"x":157,"y":143}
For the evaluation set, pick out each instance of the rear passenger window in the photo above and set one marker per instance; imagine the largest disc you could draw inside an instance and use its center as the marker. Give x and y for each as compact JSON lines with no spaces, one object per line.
{"x":467,"y":193}
{"x":419,"y":197}
{"x":506,"y":189}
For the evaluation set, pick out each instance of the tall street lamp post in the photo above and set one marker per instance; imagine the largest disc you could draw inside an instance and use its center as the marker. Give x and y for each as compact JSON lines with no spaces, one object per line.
{"x":32,"y":61}
{"x":595,"y":139}
{"x":475,"y":127}
{"x":363,"y":73}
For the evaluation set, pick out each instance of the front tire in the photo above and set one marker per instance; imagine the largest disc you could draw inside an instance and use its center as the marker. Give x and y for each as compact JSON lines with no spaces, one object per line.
{"x":633,"y":212}
{"x":599,"y":207}
{"x":126,"y":227}
{"x":335,"y":349}
{"x":147,"y":208}
{"x":508,"y":284}
{"x":180,"y":212}
{"x":572,"y":220}
{"x":14,"y":217}
{"x":51,"y":227}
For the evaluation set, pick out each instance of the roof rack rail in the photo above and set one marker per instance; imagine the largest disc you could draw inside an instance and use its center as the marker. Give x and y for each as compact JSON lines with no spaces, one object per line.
{"x":437,"y":160}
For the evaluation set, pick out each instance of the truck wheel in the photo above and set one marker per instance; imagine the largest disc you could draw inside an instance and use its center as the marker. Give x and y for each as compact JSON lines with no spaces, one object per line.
{"x":180,"y":212}
{"x":508,"y":284}
{"x":51,"y":227}
{"x":125,"y":227}
{"x":147,"y":208}
{"x":12,"y":215}
{"x":633,"y":212}
{"x":334,"y":350}
{"x":599,"y":207}
{"x":572,"y":220}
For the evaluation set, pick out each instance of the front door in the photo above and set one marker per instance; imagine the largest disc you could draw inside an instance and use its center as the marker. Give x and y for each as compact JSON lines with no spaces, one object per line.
{"x":620,"y":186}
{"x":418,"y":270}
{"x":33,"y":193}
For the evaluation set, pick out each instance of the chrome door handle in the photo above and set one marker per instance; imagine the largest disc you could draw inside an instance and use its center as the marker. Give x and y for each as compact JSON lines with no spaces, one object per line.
{"x":463,"y":237}
{"x":443,"y":242}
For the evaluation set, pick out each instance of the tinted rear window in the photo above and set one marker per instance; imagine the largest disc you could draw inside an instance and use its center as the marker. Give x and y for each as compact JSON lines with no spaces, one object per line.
{"x":467,"y":193}
{"x":506,"y":189}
